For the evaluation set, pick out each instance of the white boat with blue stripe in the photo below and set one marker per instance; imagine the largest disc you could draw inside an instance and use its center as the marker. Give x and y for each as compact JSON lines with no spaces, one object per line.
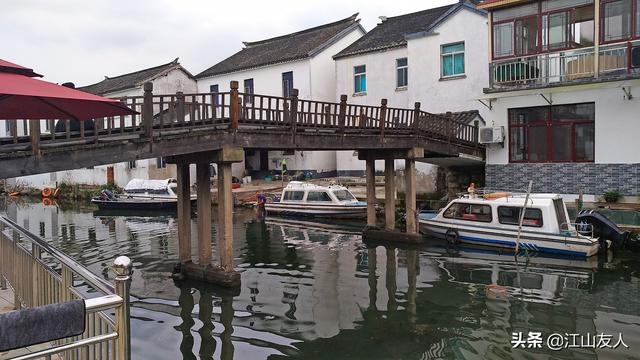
{"x":306,"y":199}
{"x":493,"y":219}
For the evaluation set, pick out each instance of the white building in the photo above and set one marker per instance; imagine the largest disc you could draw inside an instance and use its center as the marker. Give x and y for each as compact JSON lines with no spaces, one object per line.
{"x":564,"y":86}
{"x":301,"y":60}
{"x":167,"y":79}
{"x":433,"y":57}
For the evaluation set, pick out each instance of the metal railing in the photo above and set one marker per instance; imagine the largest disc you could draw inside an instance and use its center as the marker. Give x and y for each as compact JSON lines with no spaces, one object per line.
{"x":39,"y":274}
{"x":560,"y":67}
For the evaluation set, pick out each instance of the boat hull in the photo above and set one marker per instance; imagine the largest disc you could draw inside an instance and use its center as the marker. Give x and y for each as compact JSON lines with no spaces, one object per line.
{"x":334,"y":211}
{"x":503,"y":238}
{"x":135,"y":204}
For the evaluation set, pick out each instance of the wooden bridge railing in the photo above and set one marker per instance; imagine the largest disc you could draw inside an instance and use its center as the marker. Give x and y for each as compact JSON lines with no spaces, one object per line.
{"x":176,"y":113}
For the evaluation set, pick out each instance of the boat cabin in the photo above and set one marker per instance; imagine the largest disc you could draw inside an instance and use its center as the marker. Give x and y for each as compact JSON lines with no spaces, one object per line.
{"x":297,"y":192}
{"x":545,"y":213}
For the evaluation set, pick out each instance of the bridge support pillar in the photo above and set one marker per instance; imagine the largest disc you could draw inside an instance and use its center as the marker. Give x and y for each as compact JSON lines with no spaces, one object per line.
{"x":389,"y":194}
{"x":410,"y":195}
{"x":371,"y":191}
{"x":184,"y":212}
{"x":224,"y":273}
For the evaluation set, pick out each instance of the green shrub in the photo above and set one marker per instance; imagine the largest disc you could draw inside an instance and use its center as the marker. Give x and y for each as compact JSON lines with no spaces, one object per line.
{"x":612,"y":196}
{"x":115,"y":188}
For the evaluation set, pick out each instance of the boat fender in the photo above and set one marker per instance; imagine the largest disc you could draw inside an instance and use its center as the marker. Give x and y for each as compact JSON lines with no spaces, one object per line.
{"x":46,"y":192}
{"x":452,"y":236}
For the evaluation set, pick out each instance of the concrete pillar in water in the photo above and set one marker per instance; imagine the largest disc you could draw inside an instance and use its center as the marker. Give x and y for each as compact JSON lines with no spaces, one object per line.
{"x":225,"y":216}
{"x":371,"y":191}
{"x":184,"y":212}
{"x":410,"y":195}
{"x":389,"y":194}
{"x":203,"y":184}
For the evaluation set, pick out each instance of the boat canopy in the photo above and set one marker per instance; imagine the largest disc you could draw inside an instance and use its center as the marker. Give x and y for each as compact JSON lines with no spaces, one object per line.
{"x":142,"y":185}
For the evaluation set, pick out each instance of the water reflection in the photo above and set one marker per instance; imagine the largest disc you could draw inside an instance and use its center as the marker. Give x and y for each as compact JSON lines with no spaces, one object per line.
{"x":314,"y":290}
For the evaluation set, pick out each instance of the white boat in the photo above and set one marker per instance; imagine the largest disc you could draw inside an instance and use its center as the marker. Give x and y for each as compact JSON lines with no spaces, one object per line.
{"x":305,"y":199}
{"x":493,"y":219}
{"x":141,"y":194}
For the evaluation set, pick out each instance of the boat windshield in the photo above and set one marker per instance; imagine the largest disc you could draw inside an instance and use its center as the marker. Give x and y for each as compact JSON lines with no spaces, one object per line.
{"x":343,"y":195}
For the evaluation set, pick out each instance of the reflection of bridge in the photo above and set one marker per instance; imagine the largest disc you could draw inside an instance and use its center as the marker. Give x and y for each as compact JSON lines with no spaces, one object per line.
{"x":217,"y":127}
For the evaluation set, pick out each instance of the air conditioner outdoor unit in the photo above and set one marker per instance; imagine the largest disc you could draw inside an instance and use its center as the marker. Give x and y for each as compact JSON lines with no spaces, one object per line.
{"x":492,"y":135}
{"x":635,"y":57}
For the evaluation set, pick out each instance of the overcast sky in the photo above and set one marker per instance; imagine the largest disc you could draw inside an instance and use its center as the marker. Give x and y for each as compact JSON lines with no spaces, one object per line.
{"x":82,"y":41}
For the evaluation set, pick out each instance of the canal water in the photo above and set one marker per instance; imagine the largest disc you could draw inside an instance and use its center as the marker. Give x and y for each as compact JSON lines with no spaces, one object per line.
{"x":315,"y":291}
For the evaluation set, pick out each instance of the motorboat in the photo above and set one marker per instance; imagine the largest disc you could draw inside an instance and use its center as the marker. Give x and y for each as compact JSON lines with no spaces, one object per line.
{"x":493,"y":219}
{"x":306,"y":199}
{"x":141,"y":194}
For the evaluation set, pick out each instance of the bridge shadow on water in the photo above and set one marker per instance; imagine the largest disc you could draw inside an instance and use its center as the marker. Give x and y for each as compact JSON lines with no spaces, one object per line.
{"x":314,"y":290}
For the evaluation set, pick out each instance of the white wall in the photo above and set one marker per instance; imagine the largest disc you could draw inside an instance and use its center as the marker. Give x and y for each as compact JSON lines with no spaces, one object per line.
{"x":616,"y":120}
{"x":424,"y":85}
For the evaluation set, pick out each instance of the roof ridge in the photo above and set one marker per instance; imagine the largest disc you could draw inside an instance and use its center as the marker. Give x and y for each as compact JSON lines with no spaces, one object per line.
{"x":351,"y":18}
{"x":174,"y":62}
{"x":421,"y":11}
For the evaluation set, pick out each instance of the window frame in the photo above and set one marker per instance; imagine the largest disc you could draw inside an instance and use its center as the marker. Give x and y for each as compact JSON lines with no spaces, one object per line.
{"x":520,"y":209}
{"x":357,"y":75}
{"x":633,"y":25}
{"x":287,"y":89}
{"x":468,"y":204}
{"x":453,"y":54}
{"x":405,"y":71}
{"x":549,"y":123}
{"x":161,"y":162}
{"x":539,"y":15}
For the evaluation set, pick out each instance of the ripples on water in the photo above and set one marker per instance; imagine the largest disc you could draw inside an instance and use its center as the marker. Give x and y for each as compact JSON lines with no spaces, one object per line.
{"x":315,"y":291}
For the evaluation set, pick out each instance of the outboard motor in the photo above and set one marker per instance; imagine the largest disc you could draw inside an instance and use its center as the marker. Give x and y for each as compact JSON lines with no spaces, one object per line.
{"x":603,"y":228}
{"x":107,"y":194}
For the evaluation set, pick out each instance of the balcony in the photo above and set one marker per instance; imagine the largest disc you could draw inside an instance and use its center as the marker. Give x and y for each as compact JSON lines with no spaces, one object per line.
{"x":562,"y":68}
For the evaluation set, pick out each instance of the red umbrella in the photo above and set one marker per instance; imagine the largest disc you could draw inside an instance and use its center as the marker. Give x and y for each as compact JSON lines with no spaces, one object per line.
{"x":22,"y":97}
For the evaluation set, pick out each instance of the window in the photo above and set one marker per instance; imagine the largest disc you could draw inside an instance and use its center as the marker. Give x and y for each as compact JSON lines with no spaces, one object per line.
{"x":452,"y":59}
{"x":318,"y":196}
{"x":248,"y":90}
{"x":502,"y":40}
{"x":510,"y":215}
{"x":132,"y":164}
{"x":161,"y":163}
{"x":472,"y":212}
{"x":287,"y":83}
{"x":616,"y":20}
{"x":215,"y":89}
{"x":557,"y":24}
{"x":526,"y":36}
{"x":402,"y":72}
{"x":559,"y":133}
{"x":360,"y":79}
{"x":343,"y":195}
{"x":293,"y":195}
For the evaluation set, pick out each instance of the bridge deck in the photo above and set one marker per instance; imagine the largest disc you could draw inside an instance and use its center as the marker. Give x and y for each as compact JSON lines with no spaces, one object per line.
{"x":181,"y":124}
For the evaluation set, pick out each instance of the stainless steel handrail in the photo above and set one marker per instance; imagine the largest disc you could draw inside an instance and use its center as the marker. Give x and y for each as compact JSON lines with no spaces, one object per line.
{"x":76,"y":267}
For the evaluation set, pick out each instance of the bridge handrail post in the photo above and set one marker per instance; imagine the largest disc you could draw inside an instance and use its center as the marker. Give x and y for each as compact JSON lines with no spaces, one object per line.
{"x":147,"y":109}
{"x":449,"y":127}
{"x":416,"y":117}
{"x":180,"y":107}
{"x":34,"y":129}
{"x":234,"y":104}
{"x":342,"y":112}
{"x":383,"y":116}
{"x":293,"y":111}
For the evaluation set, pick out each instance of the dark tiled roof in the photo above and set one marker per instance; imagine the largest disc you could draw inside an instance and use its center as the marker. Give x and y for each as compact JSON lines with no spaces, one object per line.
{"x":295,"y":46}
{"x":126,"y":81}
{"x":391,"y":32}
{"x":464,"y":117}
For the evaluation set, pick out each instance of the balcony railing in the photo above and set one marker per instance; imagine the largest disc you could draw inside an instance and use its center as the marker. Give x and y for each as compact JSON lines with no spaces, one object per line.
{"x":562,"y":67}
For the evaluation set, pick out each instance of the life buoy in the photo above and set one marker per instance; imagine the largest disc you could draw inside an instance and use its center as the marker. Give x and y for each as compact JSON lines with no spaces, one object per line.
{"x":46,"y":192}
{"x":47,"y":202}
{"x":452,"y":236}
